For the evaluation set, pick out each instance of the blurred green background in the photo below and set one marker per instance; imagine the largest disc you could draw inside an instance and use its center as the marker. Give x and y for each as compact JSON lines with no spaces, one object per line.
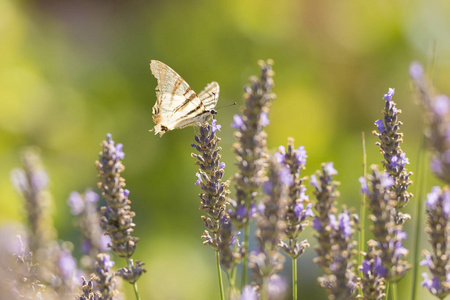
{"x":72,"y":71}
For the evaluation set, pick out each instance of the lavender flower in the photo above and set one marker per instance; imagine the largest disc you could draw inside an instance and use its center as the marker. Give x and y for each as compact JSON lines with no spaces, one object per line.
{"x":117,"y":216}
{"x":219,"y":232}
{"x":88,"y":293}
{"x":334,"y":235}
{"x":394,"y":157}
{"x":297,"y":207}
{"x":388,"y":234}
{"x":106,"y":283}
{"x":23,"y":274}
{"x":94,"y":241}
{"x":266,"y":260}
{"x":437,"y":119}
{"x":250,"y":147}
{"x":373,"y":272}
{"x":438,"y":229}
{"x":31,"y":183}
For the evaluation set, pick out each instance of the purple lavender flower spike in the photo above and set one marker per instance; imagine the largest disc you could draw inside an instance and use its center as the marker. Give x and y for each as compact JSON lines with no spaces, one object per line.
{"x":387,"y":232}
{"x":117,"y":216}
{"x":334,"y":237}
{"x":293,"y":162}
{"x":219,"y":231}
{"x":250,"y":147}
{"x":266,"y":260}
{"x":390,"y":139}
{"x":438,"y":228}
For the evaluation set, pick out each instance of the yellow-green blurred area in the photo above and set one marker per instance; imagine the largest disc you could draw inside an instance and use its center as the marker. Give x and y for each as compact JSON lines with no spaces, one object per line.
{"x":72,"y":71}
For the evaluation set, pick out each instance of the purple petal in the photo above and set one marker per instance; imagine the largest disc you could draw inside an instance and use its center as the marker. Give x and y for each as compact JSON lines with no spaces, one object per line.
{"x":313,"y":181}
{"x":380,"y":125}
{"x":416,"y":70}
{"x":389,"y":95}
{"x":76,"y":203}
{"x":119,"y":153}
{"x":329,"y":169}
{"x":238,"y":122}
{"x":301,"y":155}
{"x":264,"y":119}
{"x":364,"y":187}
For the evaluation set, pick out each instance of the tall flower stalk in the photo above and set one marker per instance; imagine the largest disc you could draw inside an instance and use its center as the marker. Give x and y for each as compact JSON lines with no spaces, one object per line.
{"x":117,"y":216}
{"x":394,"y":158}
{"x":297,"y":207}
{"x":250,"y":150}
{"x":57,"y":267}
{"x":94,"y":241}
{"x":335,"y":249}
{"x":266,"y":260}
{"x":219,"y":232}
{"x":388,"y":233}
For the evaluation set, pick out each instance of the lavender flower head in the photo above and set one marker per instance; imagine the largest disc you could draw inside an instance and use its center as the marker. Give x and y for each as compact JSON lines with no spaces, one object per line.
{"x":219,"y":233}
{"x":373,"y":272}
{"x":117,"y":216}
{"x":334,"y":236}
{"x":106,"y":282}
{"x":438,"y":260}
{"x":266,"y":260}
{"x":250,"y":147}
{"x":94,"y":241}
{"x":297,"y":207}
{"x":437,"y":120}
{"x":31,"y":183}
{"x":394,"y":157}
{"x":388,"y":234}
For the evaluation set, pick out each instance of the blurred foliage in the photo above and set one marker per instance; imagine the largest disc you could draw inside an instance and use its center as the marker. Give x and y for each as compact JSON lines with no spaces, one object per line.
{"x":72,"y":71}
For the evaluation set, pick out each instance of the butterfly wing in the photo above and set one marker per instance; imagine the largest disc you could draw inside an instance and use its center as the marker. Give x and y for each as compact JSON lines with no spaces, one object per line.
{"x":177,"y":105}
{"x":210,"y":95}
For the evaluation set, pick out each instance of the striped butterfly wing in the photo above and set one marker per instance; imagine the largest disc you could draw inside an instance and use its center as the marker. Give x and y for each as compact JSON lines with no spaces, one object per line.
{"x":177,"y":105}
{"x":210,"y":95}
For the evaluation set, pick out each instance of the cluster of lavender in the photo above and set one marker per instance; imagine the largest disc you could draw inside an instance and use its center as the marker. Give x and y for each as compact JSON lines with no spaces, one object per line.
{"x":117,"y":216}
{"x":394,"y":158}
{"x":372,"y":281}
{"x":334,"y":236}
{"x":295,"y":210}
{"x":94,"y":241}
{"x":214,"y":196}
{"x":57,"y":269}
{"x":388,"y":234}
{"x":437,"y":119}
{"x":267,"y":260}
{"x":438,"y":261}
{"x":250,"y":147}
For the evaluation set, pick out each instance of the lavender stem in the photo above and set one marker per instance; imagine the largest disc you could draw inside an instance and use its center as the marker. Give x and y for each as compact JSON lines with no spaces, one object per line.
{"x":418,"y":216}
{"x":219,"y":273}
{"x":294,"y":279}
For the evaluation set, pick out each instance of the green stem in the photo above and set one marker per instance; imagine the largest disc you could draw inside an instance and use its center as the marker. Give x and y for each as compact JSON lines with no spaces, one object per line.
{"x":394,"y":291}
{"x":136,"y":292}
{"x":263,"y":291}
{"x":244,"y":262}
{"x":387,"y":290}
{"x":363,"y":207}
{"x":294,"y":279}
{"x":418,"y":233}
{"x":219,"y":273}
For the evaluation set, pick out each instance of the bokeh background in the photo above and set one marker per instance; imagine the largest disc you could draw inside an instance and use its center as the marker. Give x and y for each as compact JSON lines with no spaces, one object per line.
{"x":72,"y":71}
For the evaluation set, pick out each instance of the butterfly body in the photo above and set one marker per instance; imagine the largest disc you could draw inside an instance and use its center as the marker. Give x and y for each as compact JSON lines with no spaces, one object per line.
{"x":177,"y":105}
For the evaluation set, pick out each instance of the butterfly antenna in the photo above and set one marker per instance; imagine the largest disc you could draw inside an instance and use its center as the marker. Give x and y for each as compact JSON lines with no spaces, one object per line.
{"x":227,"y":105}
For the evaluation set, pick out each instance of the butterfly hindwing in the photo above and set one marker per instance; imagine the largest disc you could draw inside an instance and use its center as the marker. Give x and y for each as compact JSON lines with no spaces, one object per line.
{"x":210,"y":95}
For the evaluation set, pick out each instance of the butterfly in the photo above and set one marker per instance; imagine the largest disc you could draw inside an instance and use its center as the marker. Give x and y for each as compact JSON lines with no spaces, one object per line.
{"x":177,"y":105}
